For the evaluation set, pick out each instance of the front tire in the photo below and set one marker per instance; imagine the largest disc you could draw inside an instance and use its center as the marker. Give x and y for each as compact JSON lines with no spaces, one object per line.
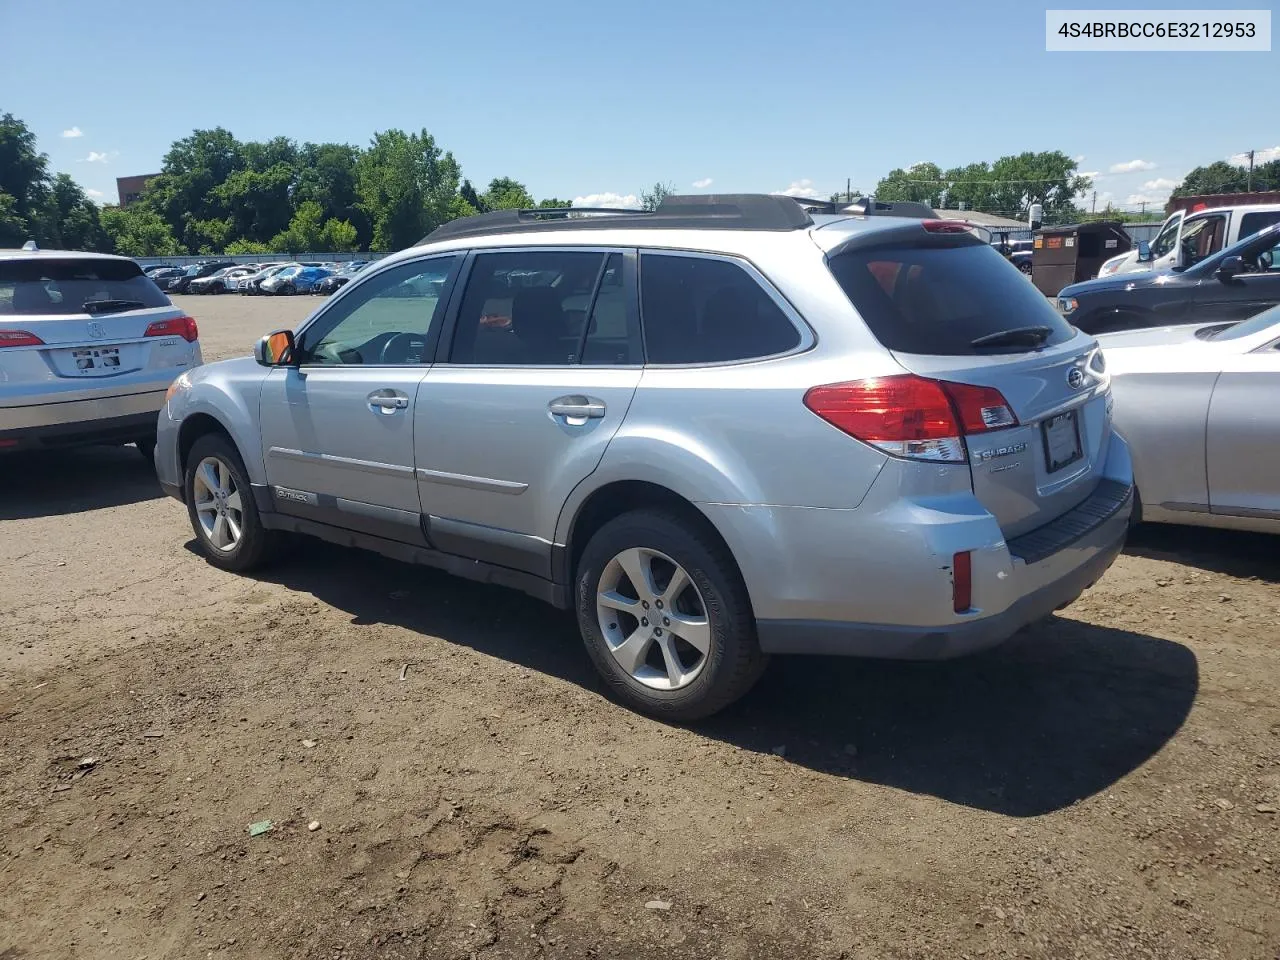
{"x":221,"y":507}
{"x":666,"y":617}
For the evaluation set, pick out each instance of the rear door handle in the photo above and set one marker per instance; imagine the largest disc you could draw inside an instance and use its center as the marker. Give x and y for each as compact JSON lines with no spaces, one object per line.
{"x":577,"y":407}
{"x":387,"y":401}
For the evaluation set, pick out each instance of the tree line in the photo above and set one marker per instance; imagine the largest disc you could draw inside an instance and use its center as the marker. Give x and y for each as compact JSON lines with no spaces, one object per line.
{"x":217,"y":194}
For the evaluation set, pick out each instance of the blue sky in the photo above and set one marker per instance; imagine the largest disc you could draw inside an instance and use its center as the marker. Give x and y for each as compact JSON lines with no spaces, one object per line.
{"x":590,"y":99}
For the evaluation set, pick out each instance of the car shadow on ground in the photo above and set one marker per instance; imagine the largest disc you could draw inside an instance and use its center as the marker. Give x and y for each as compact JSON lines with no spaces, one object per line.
{"x":49,"y":483}
{"x":1231,"y":552}
{"x":1057,"y":714}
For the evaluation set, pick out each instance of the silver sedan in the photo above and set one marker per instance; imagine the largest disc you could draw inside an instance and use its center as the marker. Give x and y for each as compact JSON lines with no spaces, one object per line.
{"x":1200,"y":407}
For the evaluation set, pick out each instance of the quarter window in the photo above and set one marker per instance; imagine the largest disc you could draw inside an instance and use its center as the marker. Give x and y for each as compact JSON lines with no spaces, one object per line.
{"x":705,"y":310}
{"x":385,"y":320}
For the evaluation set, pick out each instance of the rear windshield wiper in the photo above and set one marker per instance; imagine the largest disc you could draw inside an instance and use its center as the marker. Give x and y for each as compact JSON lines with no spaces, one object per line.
{"x":111,"y":306}
{"x":1016,"y":337}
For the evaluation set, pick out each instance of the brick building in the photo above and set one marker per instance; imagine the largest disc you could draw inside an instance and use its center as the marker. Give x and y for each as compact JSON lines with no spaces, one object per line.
{"x":130,"y":188}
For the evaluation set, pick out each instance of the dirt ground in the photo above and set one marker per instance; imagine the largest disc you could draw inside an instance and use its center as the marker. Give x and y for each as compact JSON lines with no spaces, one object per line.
{"x":1103,"y":786}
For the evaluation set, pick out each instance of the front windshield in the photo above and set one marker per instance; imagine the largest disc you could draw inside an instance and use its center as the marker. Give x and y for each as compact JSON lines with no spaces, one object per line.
{"x":191,"y":271}
{"x":288,"y":271}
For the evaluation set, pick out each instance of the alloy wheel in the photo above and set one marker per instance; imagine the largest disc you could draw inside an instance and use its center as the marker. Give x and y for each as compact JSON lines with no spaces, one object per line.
{"x":218,"y":504}
{"x":653,"y":619}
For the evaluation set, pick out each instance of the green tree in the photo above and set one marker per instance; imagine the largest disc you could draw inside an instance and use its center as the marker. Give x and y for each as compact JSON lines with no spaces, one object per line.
{"x":305,"y":233}
{"x":338,"y":236}
{"x":1224,"y":177}
{"x":247,"y":247}
{"x":24,"y":171}
{"x":407,"y":186}
{"x":73,"y":218}
{"x":651,"y":198}
{"x":921,"y":182}
{"x":13,"y":228}
{"x":327,"y":175}
{"x":258,"y":203}
{"x":184,"y":193}
{"x":506,"y":194}
{"x":468,"y":193}
{"x":139,"y":231}
{"x":554,"y":202}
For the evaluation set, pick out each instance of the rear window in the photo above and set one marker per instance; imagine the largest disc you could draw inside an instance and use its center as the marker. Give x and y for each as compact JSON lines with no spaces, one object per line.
{"x":939,"y":299}
{"x":50,"y":286}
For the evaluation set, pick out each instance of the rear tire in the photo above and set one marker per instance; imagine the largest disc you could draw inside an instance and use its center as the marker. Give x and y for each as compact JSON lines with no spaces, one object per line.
{"x":220,"y":505}
{"x":676,"y":649}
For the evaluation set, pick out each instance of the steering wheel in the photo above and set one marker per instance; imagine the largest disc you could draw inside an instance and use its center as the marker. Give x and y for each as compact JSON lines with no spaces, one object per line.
{"x":404,"y":348}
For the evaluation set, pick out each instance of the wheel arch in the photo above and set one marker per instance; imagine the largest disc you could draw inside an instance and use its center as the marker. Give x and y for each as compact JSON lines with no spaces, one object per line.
{"x":616,"y":498}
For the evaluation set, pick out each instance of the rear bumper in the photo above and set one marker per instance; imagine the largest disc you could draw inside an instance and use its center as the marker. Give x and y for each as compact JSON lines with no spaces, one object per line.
{"x":112,"y":419}
{"x":1066,"y":574}
{"x":878,"y":580}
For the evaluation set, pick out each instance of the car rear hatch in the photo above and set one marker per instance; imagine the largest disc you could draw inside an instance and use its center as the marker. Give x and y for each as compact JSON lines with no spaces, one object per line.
{"x":1027,"y":391}
{"x":84,"y":319}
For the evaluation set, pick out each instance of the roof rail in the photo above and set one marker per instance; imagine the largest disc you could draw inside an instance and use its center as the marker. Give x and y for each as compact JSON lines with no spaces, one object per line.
{"x":725,"y":211}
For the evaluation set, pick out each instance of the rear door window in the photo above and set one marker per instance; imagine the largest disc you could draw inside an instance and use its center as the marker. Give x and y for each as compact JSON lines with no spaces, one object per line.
{"x":708,"y":310}
{"x":1251,"y":223}
{"x":939,"y":299}
{"x":49,"y":286}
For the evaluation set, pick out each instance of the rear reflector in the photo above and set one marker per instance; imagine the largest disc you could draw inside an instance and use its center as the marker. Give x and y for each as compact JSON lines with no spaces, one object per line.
{"x":962,"y":581}
{"x":19,"y":338}
{"x":184,"y":327}
{"x":910,"y":416}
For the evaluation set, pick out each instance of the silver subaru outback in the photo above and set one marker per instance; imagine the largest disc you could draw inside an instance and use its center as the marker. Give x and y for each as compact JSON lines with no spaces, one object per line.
{"x":718,"y":431}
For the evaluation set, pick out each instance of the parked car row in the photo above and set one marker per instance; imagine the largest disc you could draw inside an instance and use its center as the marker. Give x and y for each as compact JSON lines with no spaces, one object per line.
{"x":716,"y":436}
{"x":252,"y":279}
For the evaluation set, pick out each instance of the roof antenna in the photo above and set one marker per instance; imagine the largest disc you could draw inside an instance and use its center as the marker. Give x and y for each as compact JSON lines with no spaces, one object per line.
{"x":29,"y":246}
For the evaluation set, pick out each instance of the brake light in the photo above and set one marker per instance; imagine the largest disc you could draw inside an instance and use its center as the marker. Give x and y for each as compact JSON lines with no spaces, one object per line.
{"x":962,"y":581}
{"x":19,"y":338}
{"x":910,"y":416}
{"x":184,"y":327}
{"x":946,"y":226}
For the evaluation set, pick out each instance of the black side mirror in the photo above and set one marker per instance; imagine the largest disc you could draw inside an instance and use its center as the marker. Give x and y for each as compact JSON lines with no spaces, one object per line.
{"x":275,"y":349}
{"x":1229,"y":267}
{"x":1144,"y":252}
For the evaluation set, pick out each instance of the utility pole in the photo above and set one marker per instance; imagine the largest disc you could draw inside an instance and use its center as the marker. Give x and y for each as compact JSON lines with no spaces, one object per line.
{"x":1095,"y":201}
{"x":1250,"y":187}
{"x":1144,"y":209}
{"x":848,"y":188}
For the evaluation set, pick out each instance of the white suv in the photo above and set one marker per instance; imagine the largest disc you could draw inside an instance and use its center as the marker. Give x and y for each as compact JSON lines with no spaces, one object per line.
{"x":88,"y":346}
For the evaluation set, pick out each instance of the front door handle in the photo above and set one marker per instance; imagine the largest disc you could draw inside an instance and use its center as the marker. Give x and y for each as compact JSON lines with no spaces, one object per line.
{"x":387,"y":401}
{"x":577,"y":407}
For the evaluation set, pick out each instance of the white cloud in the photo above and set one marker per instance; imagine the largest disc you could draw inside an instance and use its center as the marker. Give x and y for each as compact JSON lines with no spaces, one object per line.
{"x":1259,"y":156}
{"x":1078,"y":159}
{"x":801,"y":188}
{"x":1132,"y":166}
{"x":1092,"y":174}
{"x":73,"y":133}
{"x":96,"y":194}
{"x":1160,"y":184}
{"x":1134,"y":199}
{"x":629,"y":200}
{"x":702,"y":184}
{"x":96,"y":157}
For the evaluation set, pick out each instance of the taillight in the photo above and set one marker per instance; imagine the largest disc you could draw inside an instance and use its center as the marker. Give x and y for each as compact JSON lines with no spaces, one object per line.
{"x":19,"y":338}
{"x":184,"y":327}
{"x":946,"y":226}
{"x":910,"y":416}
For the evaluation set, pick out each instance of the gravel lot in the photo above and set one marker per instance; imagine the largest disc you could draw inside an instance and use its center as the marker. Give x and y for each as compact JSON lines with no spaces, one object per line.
{"x":1102,"y":786}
